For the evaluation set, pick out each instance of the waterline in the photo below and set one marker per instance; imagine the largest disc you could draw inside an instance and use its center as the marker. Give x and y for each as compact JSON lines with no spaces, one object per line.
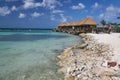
{"x":32,"y":56}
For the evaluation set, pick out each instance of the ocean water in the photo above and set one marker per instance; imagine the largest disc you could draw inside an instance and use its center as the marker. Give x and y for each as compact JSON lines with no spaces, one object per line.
{"x":31,"y":55}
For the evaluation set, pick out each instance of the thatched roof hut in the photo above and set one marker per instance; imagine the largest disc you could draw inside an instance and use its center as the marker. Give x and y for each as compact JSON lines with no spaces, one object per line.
{"x":86,"y":25}
{"x":88,"y":21}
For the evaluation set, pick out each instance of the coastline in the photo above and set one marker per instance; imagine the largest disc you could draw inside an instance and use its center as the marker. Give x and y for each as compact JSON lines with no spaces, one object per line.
{"x":93,"y":60}
{"x":32,"y":55}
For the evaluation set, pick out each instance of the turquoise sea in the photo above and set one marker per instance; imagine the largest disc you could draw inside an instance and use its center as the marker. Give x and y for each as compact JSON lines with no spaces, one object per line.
{"x":32,"y":55}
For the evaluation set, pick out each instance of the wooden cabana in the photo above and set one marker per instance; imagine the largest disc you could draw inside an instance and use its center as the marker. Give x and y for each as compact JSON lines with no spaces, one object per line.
{"x":61,"y":27}
{"x":64,"y":27}
{"x":86,"y":25}
{"x":72,"y":27}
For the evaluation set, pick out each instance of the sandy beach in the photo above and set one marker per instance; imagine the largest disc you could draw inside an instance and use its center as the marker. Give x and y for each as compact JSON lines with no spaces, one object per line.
{"x":96,"y":59}
{"x":113,"y":40}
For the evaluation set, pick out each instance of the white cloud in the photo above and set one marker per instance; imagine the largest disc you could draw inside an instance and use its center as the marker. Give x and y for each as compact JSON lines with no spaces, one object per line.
{"x":101,"y":15}
{"x":36,"y":14}
{"x":4,"y":11}
{"x":57,"y":11}
{"x":31,"y":4}
{"x":111,"y":8}
{"x":28,"y":4}
{"x":110,"y":13}
{"x":14,"y":8}
{"x":63,"y":18}
{"x":21,"y":15}
{"x":96,"y":6}
{"x":79,"y":6}
{"x":50,"y":4}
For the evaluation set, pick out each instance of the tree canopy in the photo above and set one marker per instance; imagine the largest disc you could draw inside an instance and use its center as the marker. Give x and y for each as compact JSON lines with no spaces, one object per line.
{"x":118,"y":17}
{"x":103,"y":22}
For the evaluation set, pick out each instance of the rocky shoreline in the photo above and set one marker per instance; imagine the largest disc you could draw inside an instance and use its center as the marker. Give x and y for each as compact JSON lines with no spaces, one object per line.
{"x":89,"y":61}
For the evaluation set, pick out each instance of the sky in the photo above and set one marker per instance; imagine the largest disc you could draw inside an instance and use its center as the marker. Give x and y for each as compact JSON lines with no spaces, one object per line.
{"x":49,"y":13}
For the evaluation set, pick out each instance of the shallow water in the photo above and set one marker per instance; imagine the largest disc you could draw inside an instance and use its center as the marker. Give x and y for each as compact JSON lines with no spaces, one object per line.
{"x":32,"y":55}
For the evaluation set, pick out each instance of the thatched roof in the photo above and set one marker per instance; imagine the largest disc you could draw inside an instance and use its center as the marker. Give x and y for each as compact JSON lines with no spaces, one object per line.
{"x":61,"y":25}
{"x":64,"y":24}
{"x":67,"y":24}
{"x":80,"y":22}
{"x":87,"y":21}
{"x":73,"y":23}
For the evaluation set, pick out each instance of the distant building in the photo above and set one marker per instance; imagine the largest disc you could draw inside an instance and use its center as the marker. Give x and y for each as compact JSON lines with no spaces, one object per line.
{"x":84,"y":26}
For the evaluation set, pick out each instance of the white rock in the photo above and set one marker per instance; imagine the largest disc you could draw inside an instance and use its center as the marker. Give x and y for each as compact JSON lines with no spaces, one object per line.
{"x":104,"y":64}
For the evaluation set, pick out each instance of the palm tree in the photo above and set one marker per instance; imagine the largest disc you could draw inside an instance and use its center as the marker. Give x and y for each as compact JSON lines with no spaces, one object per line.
{"x":118,"y":17}
{"x":103,"y":22}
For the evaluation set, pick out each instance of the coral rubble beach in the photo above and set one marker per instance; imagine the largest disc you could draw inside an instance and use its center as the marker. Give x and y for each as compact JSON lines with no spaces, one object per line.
{"x":96,"y":59}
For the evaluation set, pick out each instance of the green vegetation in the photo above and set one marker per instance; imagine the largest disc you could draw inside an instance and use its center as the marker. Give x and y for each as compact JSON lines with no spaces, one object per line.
{"x":116,"y":28}
{"x":103,"y":22}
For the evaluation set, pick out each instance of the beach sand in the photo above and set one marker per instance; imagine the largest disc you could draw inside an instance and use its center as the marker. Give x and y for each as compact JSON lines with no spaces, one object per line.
{"x":113,"y":40}
{"x":96,"y":59}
